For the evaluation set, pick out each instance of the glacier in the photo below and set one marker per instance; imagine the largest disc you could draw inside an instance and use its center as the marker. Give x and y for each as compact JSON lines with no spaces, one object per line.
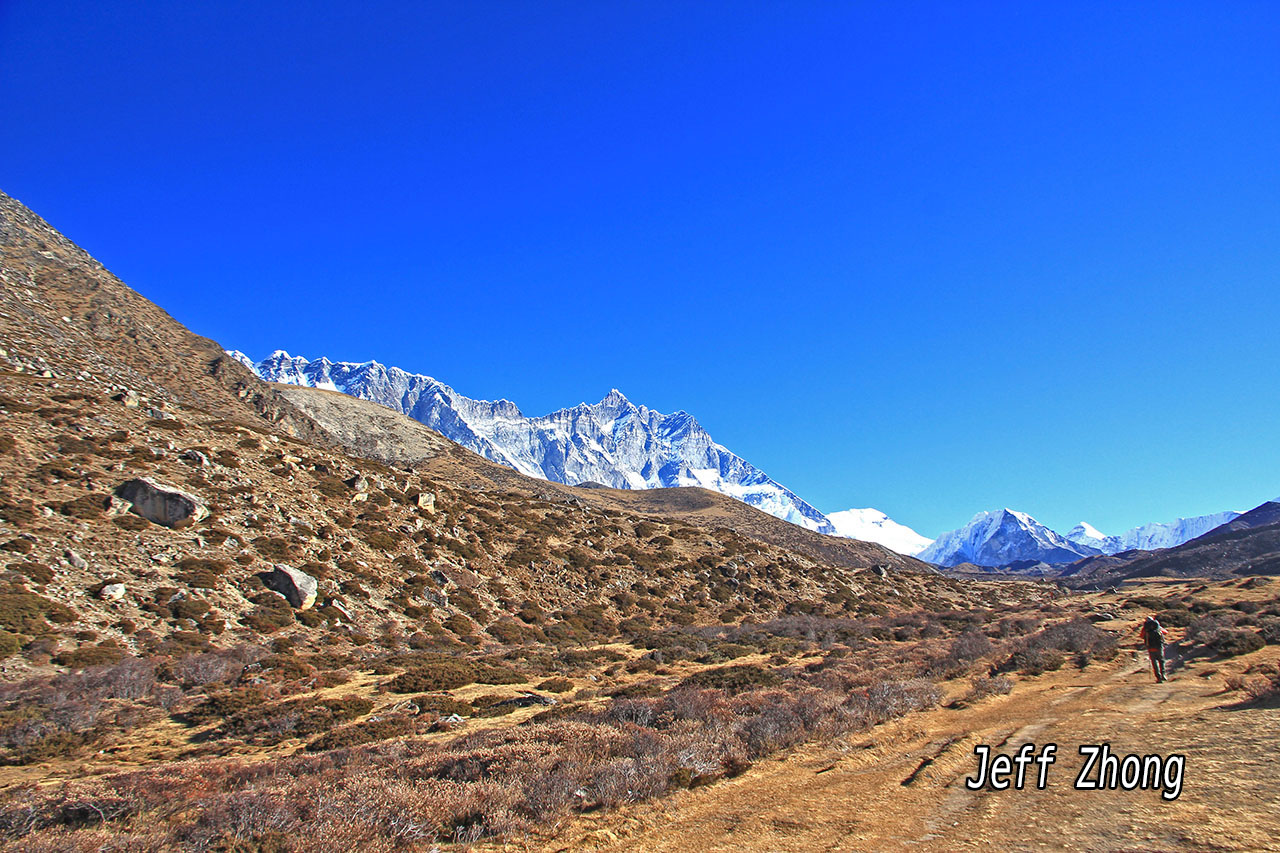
{"x":614,"y":442}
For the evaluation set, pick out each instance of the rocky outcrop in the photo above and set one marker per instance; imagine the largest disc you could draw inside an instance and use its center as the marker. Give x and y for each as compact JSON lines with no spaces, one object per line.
{"x":297,"y":586}
{"x":161,"y":504}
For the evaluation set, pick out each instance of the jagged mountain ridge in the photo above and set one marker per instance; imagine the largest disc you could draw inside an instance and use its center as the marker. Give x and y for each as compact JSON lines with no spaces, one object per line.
{"x":1150,"y":537}
{"x":613,"y":442}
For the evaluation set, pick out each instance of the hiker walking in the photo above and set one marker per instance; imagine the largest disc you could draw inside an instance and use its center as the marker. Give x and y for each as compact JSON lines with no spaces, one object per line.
{"x":1153,"y":636}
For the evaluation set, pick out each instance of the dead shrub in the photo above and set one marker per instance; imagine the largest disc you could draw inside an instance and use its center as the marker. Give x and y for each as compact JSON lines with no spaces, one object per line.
{"x":217,"y":667}
{"x":733,"y":678}
{"x":1230,"y":643}
{"x":104,"y":653}
{"x":984,"y":686}
{"x":441,"y":675}
{"x":25,"y":612}
{"x":556,"y":685}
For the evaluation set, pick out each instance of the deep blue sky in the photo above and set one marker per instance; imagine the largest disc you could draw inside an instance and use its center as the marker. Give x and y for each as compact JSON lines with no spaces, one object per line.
{"x":933,"y":258}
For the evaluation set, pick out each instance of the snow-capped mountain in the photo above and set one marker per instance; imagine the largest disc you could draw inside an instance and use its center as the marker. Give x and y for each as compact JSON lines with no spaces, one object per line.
{"x":872,"y":525}
{"x":614,"y":442}
{"x":1149,"y":537}
{"x":1003,"y":537}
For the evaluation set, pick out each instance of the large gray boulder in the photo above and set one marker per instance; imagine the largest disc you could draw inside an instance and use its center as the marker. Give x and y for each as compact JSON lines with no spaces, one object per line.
{"x":161,"y":504}
{"x":298,"y":587}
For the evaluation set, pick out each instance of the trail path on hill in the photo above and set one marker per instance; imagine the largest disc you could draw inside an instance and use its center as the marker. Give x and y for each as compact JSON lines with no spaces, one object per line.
{"x":900,"y":787}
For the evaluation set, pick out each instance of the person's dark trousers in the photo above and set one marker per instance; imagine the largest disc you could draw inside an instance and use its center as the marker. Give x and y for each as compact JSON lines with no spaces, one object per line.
{"x":1157,"y":663}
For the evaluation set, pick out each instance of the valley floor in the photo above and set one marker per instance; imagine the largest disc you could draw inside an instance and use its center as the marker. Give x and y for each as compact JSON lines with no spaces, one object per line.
{"x":901,"y":785}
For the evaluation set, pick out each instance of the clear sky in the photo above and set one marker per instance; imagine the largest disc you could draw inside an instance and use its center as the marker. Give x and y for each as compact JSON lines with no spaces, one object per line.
{"x":933,"y":258}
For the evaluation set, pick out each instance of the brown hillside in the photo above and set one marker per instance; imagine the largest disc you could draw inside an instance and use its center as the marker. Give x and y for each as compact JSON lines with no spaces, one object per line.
{"x":63,"y":313}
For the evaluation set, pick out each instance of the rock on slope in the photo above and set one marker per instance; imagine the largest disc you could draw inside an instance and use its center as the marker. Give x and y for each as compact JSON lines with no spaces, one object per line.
{"x":613,"y":442}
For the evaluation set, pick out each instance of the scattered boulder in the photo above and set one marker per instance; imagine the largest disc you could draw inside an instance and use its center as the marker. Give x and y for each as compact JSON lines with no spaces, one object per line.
{"x":76,"y":560}
{"x":297,"y":586}
{"x":112,"y":592}
{"x":427,"y":502}
{"x":195,"y":458}
{"x":161,"y":504}
{"x":526,"y":700}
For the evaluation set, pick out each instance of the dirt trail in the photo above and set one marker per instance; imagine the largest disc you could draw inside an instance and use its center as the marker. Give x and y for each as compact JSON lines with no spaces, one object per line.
{"x":900,"y":787}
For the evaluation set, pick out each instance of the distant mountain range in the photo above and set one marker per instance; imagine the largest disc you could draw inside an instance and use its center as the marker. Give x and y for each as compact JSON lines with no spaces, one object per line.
{"x":1007,"y":537}
{"x":1247,"y":545}
{"x":614,"y":442}
{"x":1149,"y":537}
{"x":624,"y":445}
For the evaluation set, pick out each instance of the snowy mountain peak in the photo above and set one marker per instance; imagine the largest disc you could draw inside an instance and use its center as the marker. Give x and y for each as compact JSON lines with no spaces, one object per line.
{"x":614,"y":442}
{"x":1002,"y":537}
{"x":1089,"y":530}
{"x":242,"y":358}
{"x":872,"y":525}
{"x":1085,"y":533}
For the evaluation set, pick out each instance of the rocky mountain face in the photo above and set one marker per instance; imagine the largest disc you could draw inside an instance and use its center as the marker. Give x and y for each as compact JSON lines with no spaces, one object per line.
{"x":614,"y":442}
{"x":1149,"y":537}
{"x":872,"y":525}
{"x":1000,"y":538}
